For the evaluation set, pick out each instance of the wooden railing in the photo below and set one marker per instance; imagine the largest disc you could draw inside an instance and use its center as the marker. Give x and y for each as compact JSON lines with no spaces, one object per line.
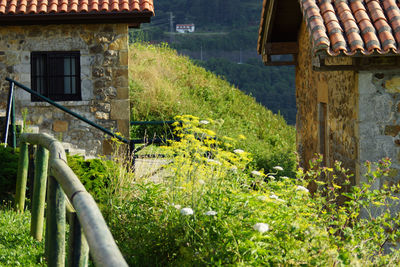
{"x":65,"y":195}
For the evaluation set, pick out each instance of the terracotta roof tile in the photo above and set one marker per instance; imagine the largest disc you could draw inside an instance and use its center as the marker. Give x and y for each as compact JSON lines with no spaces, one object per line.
{"x":9,"y":7}
{"x":352,"y":27}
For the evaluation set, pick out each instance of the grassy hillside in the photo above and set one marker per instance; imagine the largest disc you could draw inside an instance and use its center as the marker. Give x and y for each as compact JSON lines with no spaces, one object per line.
{"x":272,"y":86}
{"x":164,"y":85}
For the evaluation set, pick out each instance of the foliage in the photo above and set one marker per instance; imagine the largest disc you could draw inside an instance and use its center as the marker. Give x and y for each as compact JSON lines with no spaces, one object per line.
{"x":163,"y":85}
{"x":8,"y":173}
{"x":17,"y":247}
{"x":273,"y":87}
{"x":104,"y":177}
{"x":214,"y":210}
{"x":95,"y":175}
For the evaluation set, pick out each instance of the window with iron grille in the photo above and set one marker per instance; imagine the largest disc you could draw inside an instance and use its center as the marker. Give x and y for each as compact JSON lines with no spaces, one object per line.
{"x":56,"y":75}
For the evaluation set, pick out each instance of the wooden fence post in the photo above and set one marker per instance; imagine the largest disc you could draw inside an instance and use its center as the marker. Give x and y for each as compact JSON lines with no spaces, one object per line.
{"x":55,"y":224}
{"x":78,"y":248}
{"x":22,"y":175}
{"x":39,"y":192}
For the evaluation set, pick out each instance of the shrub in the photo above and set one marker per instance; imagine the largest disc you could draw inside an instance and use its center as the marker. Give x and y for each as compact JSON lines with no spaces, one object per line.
{"x":95,"y":175}
{"x":8,"y":173}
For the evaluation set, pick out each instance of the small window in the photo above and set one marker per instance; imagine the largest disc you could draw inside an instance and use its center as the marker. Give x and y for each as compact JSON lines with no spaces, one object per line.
{"x":56,"y":75}
{"x":323,"y":131}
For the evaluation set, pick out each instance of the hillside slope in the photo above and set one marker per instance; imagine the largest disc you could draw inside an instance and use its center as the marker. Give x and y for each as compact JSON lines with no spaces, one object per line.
{"x":163,"y":85}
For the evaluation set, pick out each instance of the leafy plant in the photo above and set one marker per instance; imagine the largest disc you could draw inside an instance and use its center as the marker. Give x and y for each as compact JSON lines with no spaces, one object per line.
{"x":94,"y":175}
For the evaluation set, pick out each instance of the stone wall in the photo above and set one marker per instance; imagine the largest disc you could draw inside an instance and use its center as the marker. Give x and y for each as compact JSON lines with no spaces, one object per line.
{"x":379,"y":126}
{"x":104,"y":78}
{"x":339,"y":90}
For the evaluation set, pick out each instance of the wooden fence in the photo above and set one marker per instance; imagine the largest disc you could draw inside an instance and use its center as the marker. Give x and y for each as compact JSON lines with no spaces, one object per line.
{"x":66,"y":197}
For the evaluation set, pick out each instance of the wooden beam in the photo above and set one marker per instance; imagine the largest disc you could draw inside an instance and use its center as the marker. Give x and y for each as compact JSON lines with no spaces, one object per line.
{"x":361,"y":64}
{"x":269,"y":7}
{"x":282,"y":48}
{"x":271,"y":17}
{"x":280,"y":63}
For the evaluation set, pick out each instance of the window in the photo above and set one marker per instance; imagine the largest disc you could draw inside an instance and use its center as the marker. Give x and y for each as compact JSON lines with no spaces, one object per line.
{"x":323,"y":131}
{"x":56,"y":75}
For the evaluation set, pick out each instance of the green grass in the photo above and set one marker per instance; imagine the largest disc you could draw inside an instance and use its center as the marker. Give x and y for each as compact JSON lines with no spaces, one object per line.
{"x":17,"y":247}
{"x":164,"y":84}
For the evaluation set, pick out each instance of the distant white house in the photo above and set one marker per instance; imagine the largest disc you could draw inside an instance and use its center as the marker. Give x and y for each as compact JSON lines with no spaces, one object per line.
{"x":183,"y":28}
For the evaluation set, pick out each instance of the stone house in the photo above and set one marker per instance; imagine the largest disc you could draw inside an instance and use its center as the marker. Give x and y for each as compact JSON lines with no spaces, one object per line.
{"x":184,"y":28}
{"x":74,"y":52}
{"x":346,"y":55}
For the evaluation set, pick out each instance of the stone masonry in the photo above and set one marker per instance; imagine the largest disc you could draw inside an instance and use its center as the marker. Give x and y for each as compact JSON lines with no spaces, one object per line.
{"x":339,"y":90}
{"x":104,"y":79}
{"x":379,"y":119}
{"x":363,"y":114}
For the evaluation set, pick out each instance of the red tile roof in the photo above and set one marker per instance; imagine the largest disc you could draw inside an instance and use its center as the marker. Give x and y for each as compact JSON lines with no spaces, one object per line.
{"x":42,"y":7}
{"x":353,"y":27}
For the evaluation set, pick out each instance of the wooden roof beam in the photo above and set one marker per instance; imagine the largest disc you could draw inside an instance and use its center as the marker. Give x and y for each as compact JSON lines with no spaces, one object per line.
{"x":285,"y":48}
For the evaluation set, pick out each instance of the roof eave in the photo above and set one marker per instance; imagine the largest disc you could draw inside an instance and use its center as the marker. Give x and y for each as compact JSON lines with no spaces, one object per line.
{"x":266,"y":17}
{"x":133,"y":19}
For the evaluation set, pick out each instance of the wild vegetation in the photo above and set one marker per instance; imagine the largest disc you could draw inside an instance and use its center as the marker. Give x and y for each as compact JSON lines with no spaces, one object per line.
{"x":164,"y":84}
{"x":213,"y":209}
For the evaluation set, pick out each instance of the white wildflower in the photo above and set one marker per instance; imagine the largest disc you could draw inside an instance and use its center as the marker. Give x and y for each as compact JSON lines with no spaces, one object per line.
{"x":262,"y":198}
{"x":201,"y":181}
{"x":238,"y":151}
{"x":256,"y":173}
{"x":284,"y":177}
{"x":278,"y":168}
{"x":176,"y":206}
{"x":302,"y":188}
{"x":186,"y":211}
{"x":210,"y":213}
{"x":234,"y":169}
{"x":214,"y":161}
{"x":204,"y":122}
{"x":271,"y":177}
{"x":273,"y":196}
{"x":261,"y":227}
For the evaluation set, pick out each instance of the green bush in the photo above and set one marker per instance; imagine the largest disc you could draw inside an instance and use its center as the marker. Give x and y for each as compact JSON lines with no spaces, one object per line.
{"x":213,"y":209}
{"x":95,"y":175}
{"x":8,"y":172}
